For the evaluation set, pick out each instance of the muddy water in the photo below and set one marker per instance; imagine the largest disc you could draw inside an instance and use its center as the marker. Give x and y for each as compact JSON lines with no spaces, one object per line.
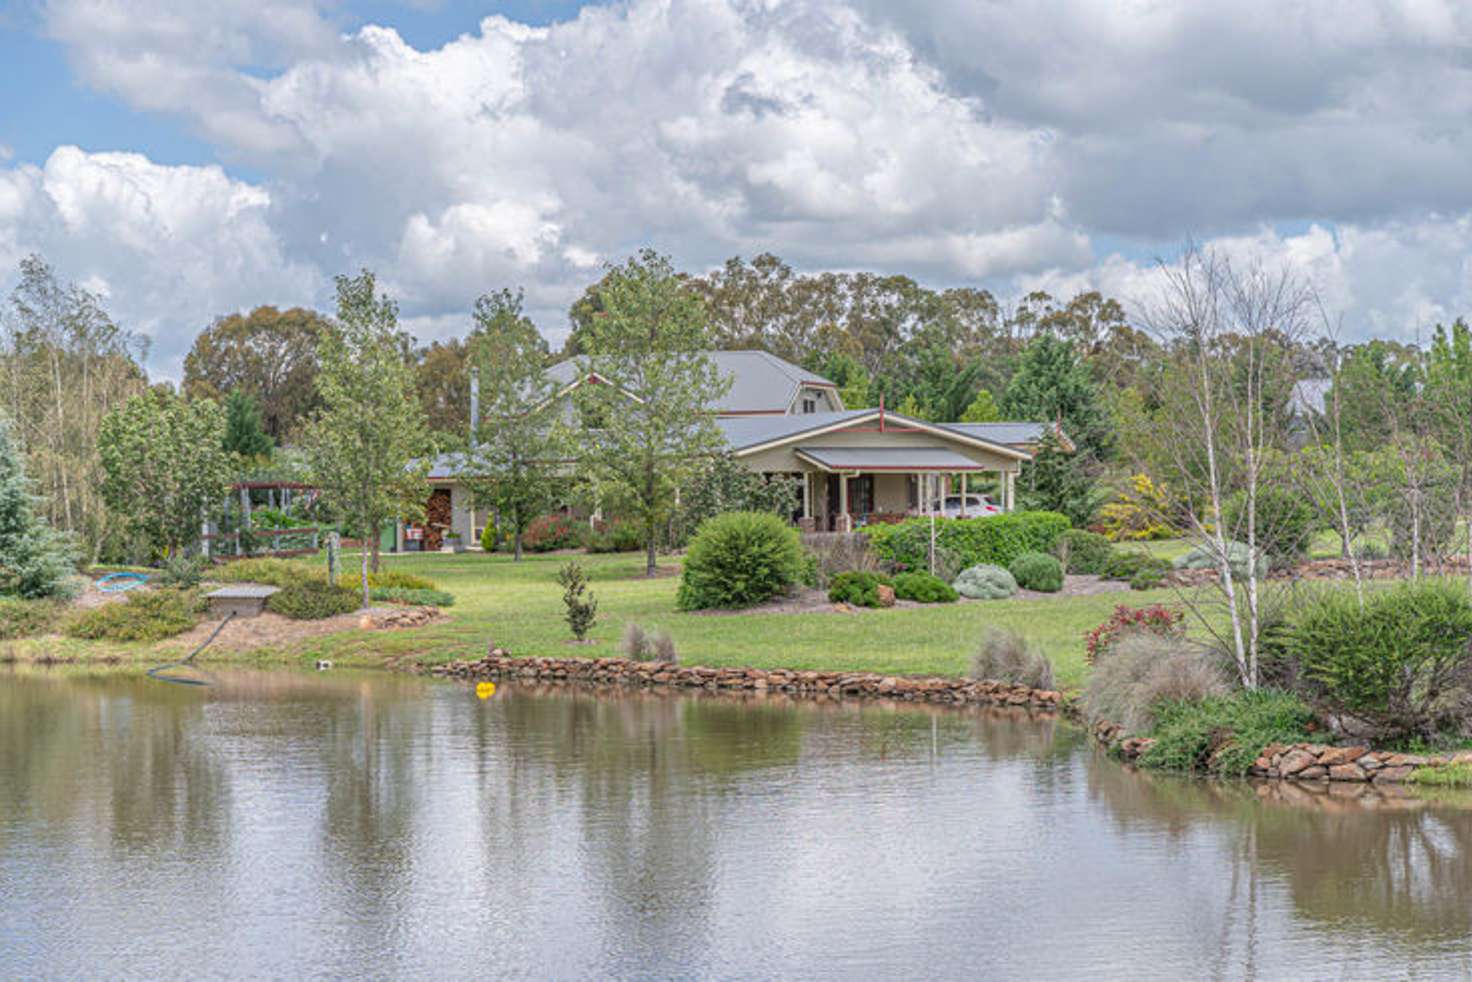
{"x":280,"y":825}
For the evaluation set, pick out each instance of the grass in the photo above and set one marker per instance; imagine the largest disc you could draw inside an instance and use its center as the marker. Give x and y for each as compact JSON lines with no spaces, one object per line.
{"x":1448,"y":776}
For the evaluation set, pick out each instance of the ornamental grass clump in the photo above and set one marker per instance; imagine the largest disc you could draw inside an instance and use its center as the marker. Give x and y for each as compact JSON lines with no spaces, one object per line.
{"x":985,"y":582}
{"x":1037,"y":571}
{"x":638,"y":644}
{"x":740,"y":559}
{"x":1142,"y":671}
{"x":1006,"y":656}
{"x":1397,"y":668}
{"x":923,"y":588}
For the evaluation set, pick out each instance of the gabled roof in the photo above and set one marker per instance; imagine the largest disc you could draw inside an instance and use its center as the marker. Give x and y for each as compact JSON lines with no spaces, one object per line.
{"x":760,"y":382}
{"x":1012,"y":434}
{"x":748,"y":434}
{"x":904,"y":459}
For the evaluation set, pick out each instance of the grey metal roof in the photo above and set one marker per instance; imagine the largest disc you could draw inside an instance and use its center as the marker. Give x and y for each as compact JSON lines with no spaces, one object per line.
{"x":889,"y":459}
{"x":748,"y":431}
{"x":1011,"y":434}
{"x":446,"y":466}
{"x":760,"y":381}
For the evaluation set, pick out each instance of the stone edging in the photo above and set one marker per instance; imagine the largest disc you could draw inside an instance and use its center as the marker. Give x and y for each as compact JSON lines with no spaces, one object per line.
{"x":818,"y":685}
{"x":1305,"y":761}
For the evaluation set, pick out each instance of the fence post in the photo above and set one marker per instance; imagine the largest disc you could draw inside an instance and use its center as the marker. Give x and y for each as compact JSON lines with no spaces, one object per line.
{"x":334,"y":557}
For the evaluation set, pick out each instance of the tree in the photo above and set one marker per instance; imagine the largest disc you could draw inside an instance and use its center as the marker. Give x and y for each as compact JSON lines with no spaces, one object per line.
{"x":655,"y":421}
{"x":442,"y":381}
{"x":521,"y":438}
{"x":164,"y":466}
{"x":245,"y":435}
{"x":367,"y":448}
{"x":268,"y":354}
{"x":1052,"y":482}
{"x":35,"y":559}
{"x":63,"y":365}
{"x":983,"y":409}
{"x":1052,"y":384}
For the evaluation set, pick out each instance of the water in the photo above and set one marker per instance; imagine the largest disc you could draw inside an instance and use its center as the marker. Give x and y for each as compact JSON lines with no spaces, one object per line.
{"x":288,"y":826}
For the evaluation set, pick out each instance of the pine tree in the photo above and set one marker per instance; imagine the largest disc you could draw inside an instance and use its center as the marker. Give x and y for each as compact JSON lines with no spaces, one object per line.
{"x":245,"y":432}
{"x":1054,"y":480}
{"x":983,"y":409}
{"x":35,"y":559}
{"x":1053,"y":385}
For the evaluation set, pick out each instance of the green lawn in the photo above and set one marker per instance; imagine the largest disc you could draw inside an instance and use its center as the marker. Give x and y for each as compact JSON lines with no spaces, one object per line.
{"x":519,"y":607}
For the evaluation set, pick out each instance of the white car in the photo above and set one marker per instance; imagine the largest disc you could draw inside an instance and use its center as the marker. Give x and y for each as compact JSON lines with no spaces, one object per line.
{"x":977,"y":505}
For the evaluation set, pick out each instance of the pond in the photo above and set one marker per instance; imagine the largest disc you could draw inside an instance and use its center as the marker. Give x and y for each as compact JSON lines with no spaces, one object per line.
{"x":281,"y":825}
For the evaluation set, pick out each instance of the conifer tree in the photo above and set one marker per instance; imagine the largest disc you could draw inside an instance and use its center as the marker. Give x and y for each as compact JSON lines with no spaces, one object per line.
{"x":35,"y":559}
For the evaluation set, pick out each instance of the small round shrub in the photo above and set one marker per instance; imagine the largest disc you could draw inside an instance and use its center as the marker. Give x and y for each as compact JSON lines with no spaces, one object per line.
{"x":985,"y":582}
{"x":1083,"y":551}
{"x":1205,"y":557}
{"x":394,"y":579}
{"x":414,"y":597}
{"x":618,"y":535}
{"x":312,"y":601}
{"x":923,"y":588}
{"x":857,"y":588}
{"x":1037,"y":571}
{"x":552,"y":532}
{"x":739,"y":559}
{"x":1127,"y":564}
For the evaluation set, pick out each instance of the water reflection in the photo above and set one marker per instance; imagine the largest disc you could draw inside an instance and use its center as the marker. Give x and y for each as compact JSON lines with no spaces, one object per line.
{"x":383,"y":825}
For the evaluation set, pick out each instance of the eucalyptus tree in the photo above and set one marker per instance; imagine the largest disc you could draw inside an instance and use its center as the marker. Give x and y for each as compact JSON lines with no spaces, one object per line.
{"x":651,"y":428}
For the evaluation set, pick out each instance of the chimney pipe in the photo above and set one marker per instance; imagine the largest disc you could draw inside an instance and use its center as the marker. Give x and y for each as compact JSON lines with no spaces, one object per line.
{"x":474,"y":403}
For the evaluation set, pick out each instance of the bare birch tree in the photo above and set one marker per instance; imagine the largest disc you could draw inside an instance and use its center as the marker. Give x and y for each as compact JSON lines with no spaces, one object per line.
{"x":1229,"y":332}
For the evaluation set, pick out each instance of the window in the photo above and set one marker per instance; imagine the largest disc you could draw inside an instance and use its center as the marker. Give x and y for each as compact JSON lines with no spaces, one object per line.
{"x":809,"y":403}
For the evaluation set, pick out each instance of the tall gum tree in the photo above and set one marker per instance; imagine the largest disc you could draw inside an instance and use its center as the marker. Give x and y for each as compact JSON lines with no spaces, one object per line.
{"x":651,"y":427}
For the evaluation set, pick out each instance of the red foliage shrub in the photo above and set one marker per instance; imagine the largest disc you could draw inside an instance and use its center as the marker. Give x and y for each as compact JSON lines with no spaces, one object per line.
{"x":1156,"y":619}
{"x":551,"y":532}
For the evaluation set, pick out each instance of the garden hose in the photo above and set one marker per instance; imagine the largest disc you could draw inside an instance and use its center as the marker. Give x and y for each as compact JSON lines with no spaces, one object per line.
{"x":153,"y":673}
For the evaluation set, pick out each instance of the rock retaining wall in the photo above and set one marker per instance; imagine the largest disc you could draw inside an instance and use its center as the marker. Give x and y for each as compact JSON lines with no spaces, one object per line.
{"x":1306,"y":761}
{"x":832,"y":685}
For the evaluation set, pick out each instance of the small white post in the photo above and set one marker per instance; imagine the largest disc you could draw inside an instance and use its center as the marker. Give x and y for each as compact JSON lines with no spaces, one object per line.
{"x":845,"y":519}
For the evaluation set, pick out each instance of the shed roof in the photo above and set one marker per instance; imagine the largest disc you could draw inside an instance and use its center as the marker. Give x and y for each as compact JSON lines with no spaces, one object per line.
{"x":1017,"y":434}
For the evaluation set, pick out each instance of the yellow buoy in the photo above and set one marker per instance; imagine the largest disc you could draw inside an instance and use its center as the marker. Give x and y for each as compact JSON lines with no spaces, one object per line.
{"x":485,"y":690}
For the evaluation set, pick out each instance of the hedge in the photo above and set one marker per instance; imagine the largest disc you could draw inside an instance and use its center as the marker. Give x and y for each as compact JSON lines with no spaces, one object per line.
{"x":995,"y":539}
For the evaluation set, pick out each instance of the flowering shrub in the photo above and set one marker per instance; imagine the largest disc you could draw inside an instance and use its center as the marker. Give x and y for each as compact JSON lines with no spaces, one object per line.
{"x":551,"y":532}
{"x":1155,"y":619}
{"x":1141,"y":512}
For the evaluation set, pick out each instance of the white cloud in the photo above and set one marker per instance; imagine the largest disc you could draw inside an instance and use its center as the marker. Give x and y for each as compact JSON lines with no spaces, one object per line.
{"x":961,"y":142}
{"x":170,"y":247}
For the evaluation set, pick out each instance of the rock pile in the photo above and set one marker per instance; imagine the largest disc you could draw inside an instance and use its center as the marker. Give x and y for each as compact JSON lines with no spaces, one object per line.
{"x":388,"y":618}
{"x":1306,"y":761}
{"x":834,"y":685}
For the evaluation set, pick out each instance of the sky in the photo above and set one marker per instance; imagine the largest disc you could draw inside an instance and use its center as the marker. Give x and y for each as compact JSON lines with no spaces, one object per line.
{"x":189,"y":158}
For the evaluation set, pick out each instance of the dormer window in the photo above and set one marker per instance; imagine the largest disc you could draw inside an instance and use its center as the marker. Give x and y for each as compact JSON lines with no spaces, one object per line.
{"x":809,"y":403}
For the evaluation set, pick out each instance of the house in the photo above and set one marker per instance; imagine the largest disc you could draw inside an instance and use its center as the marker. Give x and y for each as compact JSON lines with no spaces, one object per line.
{"x":853,"y":465}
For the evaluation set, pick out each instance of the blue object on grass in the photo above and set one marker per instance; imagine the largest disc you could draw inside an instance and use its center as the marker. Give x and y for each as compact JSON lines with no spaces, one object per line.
{"x":118,"y":582}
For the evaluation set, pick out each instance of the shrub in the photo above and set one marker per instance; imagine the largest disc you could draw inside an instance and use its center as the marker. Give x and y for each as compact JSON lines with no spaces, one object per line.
{"x":1141,"y":512}
{"x":582,"y":611}
{"x":146,"y":615}
{"x":1084,"y":552}
{"x":1286,"y":521}
{"x":490,"y":539}
{"x":1149,"y":577}
{"x":26,"y":618}
{"x":1156,"y":619}
{"x":1207,"y":557}
{"x":272,"y":572}
{"x":313,"y":600}
{"x":1126,"y":564}
{"x":618,"y":535}
{"x":923,"y":588}
{"x":183,"y":571}
{"x":407,"y":595}
{"x":393,"y":579}
{"x":1224,"y":734}
{"x":859,"y":589}
{"x":550,"y":533}
{"x":1037,"y":571}
{"x":1143,"y":670}
{"x":1005,"y":656}
{"x":1401,"y":664}
{"x":996,"y":539}
{"x":985,"y":582}
{"x":739,"y":559}
{"x":834,"y":553}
